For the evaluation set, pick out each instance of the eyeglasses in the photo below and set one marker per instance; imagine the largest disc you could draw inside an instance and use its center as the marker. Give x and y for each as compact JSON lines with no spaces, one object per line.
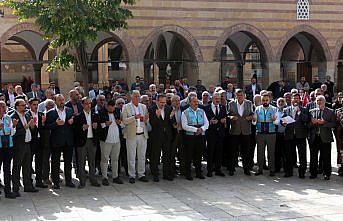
{"x":120,"y":102}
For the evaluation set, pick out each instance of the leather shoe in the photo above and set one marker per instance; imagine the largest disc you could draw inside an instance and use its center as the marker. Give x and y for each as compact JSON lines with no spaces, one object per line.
{"x":117,"y":181}
{"x":271,"y":174}
{"x":132,"y":180}
{"x":31,"y":190}
{"x":200,"y":176}
{"x":143,"y":179}
{"x":189,"y":178}
{"x":10,"y":195}
{"x":168,"y":178}
{"x":16,"y":194}
{"x":231,"y":173}
{"x":81,"y":186}
{"x":105,"y":182}
{"x":41,"y":185}
{"x":302,"y":176}
{"x":247,"y":172}
{"x":209,"y":175}
{"x":220,"y":173}
{"x":70,"y":184}
{"x":258,"y":173}
{"x":96,"y":184}
{"x":156,"y":179}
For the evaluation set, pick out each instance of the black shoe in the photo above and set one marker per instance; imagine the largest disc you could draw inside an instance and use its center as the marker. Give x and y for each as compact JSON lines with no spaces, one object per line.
{"x":189,"y":178}
{"x":265,"y":167}
{"x":41,"y":185}
{"x":105,"y":182}
{"x":326,"y":177}
{"x":287,"y":175}
{"x":117,"y":181}
{"x":132,"y":180}
{"x":81,"y":186}
{"x":168,"y":178}
{"x":302,"y":176}
{"x":271,"y":174}
{"x":231,"y":173}
{"x":31,"y":190}
{"x":70,"y":184}
{"x":56,"y":186}
{"x":247,"y":172}
{"x":209,"y":175}
{"x":143,"y":179}
{"x":96,"y":184}
{"x":258,"y":173}
{"x":156,"y":179}
{"x":16,"y":194}
{"x":219,"y":173}
{"x":200,"y":176}
{"x":313,"y":177}
{"x":10,"y":195}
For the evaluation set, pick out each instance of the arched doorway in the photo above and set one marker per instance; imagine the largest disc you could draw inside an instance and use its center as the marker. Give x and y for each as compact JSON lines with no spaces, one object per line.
{"x":243,"y":56}
{"x":303,"y":55}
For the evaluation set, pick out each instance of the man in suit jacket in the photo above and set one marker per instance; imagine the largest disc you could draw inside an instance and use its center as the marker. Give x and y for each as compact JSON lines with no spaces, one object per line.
{"x":295,"y":136}
{"x":35,"y":144}
{"x":95,"y":92}
{"x":54,"y":88}
{"x":161,"y":136}
{"x":21,"y":148}
{"x":252,"y":89}
{"x":35,"y":93}
{"x":10,"y":95}
{"x":60,"y":121}
{"x":216,"y":113}
{"x":323,"y":120}
{"x":135,"y":117}
{"x":85,"y":126}
{"x":240,"y":114}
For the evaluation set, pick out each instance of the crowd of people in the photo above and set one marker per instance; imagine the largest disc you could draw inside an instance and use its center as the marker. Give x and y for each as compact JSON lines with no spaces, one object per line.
{"x":117,"y":131}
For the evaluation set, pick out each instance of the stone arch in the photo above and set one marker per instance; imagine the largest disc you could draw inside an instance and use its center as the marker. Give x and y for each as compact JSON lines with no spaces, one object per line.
{"x":251,"y":31}
{"x":338,"y":47}
{"x":303,"y":29}
{"x":178,"y":30}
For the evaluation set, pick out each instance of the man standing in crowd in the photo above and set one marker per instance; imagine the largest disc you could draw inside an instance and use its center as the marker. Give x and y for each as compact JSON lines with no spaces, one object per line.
{"x":303,"y":84}
{"x":135,"y":117}
{"x":323,"y":120}
{"x":35,"y":93}
{"x":215,"y":135}
{"x":10,"y":95}
{"x":60,"y":120}
{"x":95,"y":92}
{"x":316,"y":83}
{"x":195,"y":124}
{"x":241,"y":114}
{"x":161,"y":136}
{"x":264,"y":118}
{"x":295,"y":136}
{"x":252,"y":89}
{"x":85,"y":126}
{"x":21,"y":148}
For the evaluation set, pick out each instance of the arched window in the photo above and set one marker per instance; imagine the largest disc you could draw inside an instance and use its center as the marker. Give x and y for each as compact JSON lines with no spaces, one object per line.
{"x":303,"y":10}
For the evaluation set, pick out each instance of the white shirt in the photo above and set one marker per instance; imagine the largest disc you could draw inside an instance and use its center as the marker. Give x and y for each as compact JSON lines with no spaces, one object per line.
{"x":253,"y":88}
{"x":186,"y":127}
{"x":214,"y":108}
{"x":240,"y":108}
{"x":35,"y":116}
{"x":27,"y":131}
{"x":113,"y":131}
{"x":89,"y":123}
{"x":162,"y":112}
{"x":11,"y":98}
{"x":137,"y":110}
{"x":62,"y":114}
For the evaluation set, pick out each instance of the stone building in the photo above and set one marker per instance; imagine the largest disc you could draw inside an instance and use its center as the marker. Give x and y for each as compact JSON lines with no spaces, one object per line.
{"x":195,"y":39}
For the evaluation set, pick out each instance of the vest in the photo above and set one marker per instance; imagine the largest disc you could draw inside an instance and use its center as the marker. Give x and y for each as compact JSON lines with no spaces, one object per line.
{"x":264,"y":122}
{"x":5,"y":134}
{"x":195,"y":120}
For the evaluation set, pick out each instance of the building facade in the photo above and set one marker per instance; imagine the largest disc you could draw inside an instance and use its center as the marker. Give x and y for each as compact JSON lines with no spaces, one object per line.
{"x":195,"y":39}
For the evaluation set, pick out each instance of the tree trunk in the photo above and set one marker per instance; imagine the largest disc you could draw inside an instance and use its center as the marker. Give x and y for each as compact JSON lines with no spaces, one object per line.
{"x":82,"y":60}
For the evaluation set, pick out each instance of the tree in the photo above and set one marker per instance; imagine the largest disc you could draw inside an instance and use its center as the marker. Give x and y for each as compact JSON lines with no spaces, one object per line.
{"x":69,"y":24}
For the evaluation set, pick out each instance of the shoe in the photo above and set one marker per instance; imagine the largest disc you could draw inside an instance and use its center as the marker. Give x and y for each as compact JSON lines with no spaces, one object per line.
{"x":302,"y":176}
{"x":96,"y":184}
{"x":287,"y":175}
{"x":219,"y":173}
{"x":258,"y":173}
{"x":209,"y":175}
{"x":41,"y":185}
{"x":231,"y":173}
{"x":132,"y":180}
{"x":156,"y":179}
{"x":326,"y":177}
{"x":189,"y":178}
{"x":313,"y":177}
{"x":31,"y":190}
{"x":70,"y":184}
{"x":271,"y":174}
{"x":105,"y":182}
{"x":143,"y":179}
{"x":265,"y":167}
{"x":16,"y":194}
{"x":168,"y":178}
{"x":200,"y":176}
{"x":56,"y":186}
{"x":247,"y":172}
{"x":10,"y":195}
{"x":81,"y":186}
{"x":117,"y":181}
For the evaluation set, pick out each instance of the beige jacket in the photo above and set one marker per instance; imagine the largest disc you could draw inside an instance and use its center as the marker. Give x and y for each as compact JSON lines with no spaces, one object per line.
{"x":128,"y":118}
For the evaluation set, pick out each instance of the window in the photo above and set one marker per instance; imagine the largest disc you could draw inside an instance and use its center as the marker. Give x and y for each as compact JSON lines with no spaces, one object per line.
{"x":303,"y":10}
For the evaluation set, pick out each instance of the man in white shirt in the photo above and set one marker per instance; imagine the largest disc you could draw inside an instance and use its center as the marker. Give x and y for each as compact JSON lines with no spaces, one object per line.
{"x":135,"y":117}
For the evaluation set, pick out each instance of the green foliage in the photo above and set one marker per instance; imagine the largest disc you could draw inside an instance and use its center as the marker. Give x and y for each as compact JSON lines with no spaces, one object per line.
{"x":70,"y":23}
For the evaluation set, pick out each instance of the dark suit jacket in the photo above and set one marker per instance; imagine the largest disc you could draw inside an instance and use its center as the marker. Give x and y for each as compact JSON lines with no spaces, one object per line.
{"x":219,"y":128}
{"x":78,"y":104}
{"x":103,"y":117}
{"x":326,"y":129}
{"x":81,"y":134}
{"x":299,"y":127}
{"x":19,"y":136}
{"x":249,"y":92}
{"x":38,"y":128}
{"x":161,"y":128}
{"x":40,"y":95}
{"x":7,"y":97}
{"x":60,"y":135}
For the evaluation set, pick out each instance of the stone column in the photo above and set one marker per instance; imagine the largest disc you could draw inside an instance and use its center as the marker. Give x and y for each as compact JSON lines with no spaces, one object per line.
{"x":66,"y":80}
{"x":135,"y":68}
{"x":44,"y":74}
{"x":331,"y":70}
{"x":209,"y":73}
{"x":37,"y":68}
{"x":103,"y":67}
{"x":273,"y":73}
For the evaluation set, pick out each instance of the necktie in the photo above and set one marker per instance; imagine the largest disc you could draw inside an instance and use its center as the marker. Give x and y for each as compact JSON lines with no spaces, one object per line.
{"x":217,"y":112}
